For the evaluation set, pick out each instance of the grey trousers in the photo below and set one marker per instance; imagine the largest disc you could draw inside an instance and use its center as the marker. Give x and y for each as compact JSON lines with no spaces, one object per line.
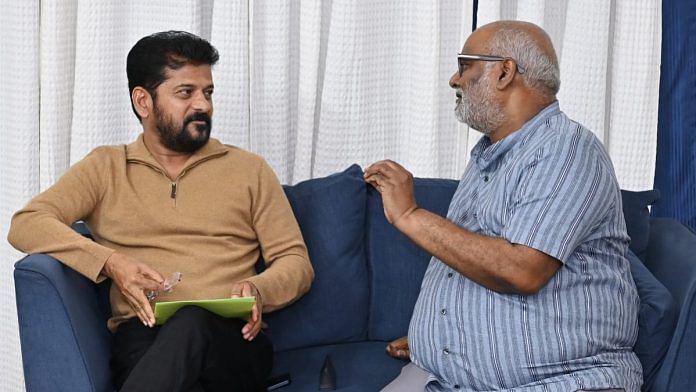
{"x":411,"y":379}
{"x":414,"y":379}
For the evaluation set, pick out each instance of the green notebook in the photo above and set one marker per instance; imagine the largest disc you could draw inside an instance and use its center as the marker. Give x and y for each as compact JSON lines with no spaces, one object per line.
{"x":225,"y":307}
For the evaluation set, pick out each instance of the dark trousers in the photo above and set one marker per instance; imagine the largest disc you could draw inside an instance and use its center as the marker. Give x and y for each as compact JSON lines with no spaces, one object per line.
{"x":195,"y":350}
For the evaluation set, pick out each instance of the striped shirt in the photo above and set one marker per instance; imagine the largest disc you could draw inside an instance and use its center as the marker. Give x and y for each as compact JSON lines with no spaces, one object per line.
{"x":549,"y":186}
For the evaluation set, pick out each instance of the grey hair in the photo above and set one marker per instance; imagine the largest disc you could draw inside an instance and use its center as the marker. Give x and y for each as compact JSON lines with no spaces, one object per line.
{"x":541,"y":71}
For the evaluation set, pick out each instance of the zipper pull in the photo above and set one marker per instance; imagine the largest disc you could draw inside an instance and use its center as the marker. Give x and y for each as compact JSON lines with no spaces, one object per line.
{"x":173,"y":194}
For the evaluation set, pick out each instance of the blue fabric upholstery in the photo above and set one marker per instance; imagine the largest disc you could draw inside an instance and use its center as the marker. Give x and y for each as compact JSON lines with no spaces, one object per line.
{"x":331,"y":215}
{"x":396,"y":264}
{"x":360,"y":367}
{"x":671,"y":257}
{"x":637,"y":216}
{"x":656,"y":320}
{"x":62,"y":328}
{"x":65,"y":343}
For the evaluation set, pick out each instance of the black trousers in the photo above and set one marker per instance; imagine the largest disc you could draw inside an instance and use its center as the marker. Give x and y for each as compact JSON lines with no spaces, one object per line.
{"x":195,"y":350}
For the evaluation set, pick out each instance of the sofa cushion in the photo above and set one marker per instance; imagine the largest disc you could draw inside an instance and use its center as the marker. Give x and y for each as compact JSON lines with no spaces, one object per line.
{"x":637,"y":216}
{"x":396,"y":264}
{"x":331,"y":215}
{"x":359,"y":367}
{"x":657,"y":319}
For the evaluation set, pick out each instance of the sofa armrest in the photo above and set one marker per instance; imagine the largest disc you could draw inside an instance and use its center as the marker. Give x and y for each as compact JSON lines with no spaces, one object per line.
{"x":65,"y":342}
{"x":671,"y":257}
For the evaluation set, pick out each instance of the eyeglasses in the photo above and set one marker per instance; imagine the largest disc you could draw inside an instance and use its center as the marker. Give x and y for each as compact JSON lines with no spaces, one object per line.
{"x":463,"y":58}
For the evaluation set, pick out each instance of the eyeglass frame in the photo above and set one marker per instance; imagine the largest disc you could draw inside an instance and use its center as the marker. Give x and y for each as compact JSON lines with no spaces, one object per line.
{"x":484,"y":57}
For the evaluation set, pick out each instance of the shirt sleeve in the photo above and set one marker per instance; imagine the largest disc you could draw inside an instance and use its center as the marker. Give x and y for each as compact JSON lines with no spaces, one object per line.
{"x":564,"y":193}
{"x":289,"y":272}
{"x":43,"y":225}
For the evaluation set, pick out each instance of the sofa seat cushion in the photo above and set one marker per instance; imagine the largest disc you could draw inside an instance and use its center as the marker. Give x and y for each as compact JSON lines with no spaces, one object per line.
{"x":359,"y":367}
{"x":396,"y":264}
{"x":331,"y":214}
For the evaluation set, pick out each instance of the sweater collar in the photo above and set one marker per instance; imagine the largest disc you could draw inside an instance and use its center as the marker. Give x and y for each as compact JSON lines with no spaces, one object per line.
{"x":137,"y":151}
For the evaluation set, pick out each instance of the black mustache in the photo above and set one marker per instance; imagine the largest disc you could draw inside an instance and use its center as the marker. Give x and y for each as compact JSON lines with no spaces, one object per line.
{"x":198,"y":117}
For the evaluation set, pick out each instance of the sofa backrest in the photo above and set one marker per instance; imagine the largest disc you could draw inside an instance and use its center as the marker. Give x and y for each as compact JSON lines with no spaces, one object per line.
{"x":396,"y":265}
{"x":331,"y":215}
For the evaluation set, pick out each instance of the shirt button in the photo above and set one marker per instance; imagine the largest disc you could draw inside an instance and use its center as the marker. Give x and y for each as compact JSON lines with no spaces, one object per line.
{"x":485,"y":178}
{"x":449,"y":274}
{"x":445,"y":351}
{"x":456,"y":386}
{"x":443,"y":312}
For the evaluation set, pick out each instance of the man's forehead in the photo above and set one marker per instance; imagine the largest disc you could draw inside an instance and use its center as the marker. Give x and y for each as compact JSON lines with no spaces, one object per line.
{"x":476,"y":43}
{"x":189,"y":74}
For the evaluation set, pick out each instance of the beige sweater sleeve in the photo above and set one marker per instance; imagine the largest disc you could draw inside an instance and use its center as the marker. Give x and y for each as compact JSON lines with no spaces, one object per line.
{"x":43,"y":225}
{"x":289,"y":273}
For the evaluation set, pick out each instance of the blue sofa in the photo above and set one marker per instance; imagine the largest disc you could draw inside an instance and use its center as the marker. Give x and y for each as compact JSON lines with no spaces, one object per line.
{"x":367,"y":280}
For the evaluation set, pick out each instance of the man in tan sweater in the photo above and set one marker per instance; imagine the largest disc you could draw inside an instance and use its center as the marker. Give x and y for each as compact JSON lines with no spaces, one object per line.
{"x":175,"y":201}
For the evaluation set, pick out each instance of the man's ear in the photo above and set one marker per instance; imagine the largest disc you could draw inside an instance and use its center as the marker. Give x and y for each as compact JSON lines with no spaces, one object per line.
{"x":507,"y":73}
{"x":142,"y":102}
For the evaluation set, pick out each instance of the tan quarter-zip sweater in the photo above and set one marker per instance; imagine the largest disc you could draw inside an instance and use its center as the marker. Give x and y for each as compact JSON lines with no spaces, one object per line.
{"x":211,"y":223}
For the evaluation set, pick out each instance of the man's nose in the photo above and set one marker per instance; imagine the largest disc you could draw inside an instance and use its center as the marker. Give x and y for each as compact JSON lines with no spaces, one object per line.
{"x":454,"y":80}
{"x":202,"y":103}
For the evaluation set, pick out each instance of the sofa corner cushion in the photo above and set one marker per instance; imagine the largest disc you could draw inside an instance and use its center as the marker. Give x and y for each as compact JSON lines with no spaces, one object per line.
{"x":331,"y":214}
{"x":637,"y":216}
{"x":396,"y":264}
{"x":657,"y":319}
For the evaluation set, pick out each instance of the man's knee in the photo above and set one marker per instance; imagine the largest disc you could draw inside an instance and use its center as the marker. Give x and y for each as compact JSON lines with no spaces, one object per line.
{"x":189,"y":320}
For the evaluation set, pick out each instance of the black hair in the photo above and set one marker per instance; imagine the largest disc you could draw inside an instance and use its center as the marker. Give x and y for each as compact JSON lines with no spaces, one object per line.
{"x":150,"y":56}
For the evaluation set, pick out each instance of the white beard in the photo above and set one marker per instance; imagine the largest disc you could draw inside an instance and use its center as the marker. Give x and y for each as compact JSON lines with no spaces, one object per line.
{"x":477,"y":107}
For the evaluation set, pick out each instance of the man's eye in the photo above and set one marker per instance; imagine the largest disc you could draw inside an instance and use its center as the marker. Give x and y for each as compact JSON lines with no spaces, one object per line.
{"x":208,"y":93}
{"x":184,"y":93}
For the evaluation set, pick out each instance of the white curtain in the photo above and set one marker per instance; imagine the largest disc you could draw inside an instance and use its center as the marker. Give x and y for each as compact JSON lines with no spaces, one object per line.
{"x":312,"y":86}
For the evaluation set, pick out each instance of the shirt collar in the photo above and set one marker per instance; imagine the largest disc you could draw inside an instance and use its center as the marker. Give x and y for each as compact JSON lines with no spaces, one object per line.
{"x":485,"y":153}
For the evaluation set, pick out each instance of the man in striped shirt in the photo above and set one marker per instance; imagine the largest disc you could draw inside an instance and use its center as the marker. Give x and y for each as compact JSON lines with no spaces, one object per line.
{"x":528,"y":288}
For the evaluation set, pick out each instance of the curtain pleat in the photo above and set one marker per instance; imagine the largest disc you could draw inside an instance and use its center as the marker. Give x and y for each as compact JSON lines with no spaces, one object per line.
{"x":19,"y":155}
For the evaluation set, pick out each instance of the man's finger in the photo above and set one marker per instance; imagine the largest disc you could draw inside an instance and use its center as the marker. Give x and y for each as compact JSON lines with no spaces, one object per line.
{"x":151,"y":274}
{"x":374,"y":168}
{"x":139,"y":311}
{"x":255,"y":312}
{"x":251,"y":329}
{"x":147,"y":283}
{"x":257,"y":329}
{"x":372,"y":181}
{"x":378,"y":179}
{"x":391,"y":166}
{"x":140,"y":300}
{"x":387,"y":168}
{"x":248,"y":329}
{"x":246,"y":290}
{"x":249,"y":291}
{"x":150,"y":315}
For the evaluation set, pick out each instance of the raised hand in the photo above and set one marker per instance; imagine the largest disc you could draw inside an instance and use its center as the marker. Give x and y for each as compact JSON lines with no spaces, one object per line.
{"x":396,"y":186}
